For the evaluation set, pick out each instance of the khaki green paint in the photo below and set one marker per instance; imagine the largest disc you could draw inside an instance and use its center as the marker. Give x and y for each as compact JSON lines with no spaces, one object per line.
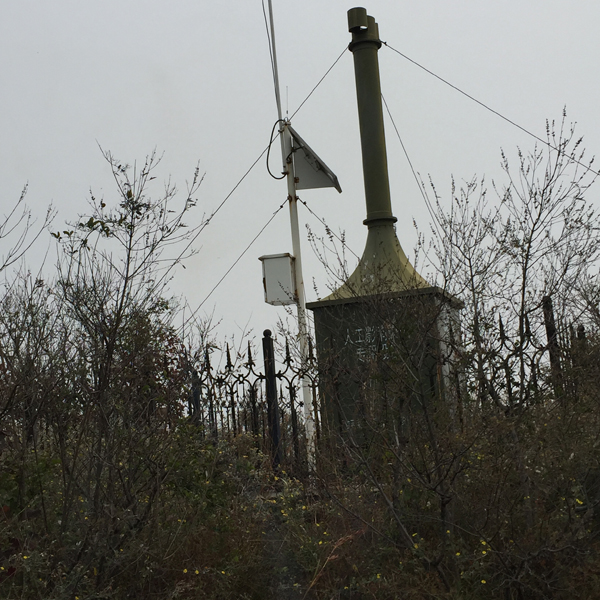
{"x":384,"y":266}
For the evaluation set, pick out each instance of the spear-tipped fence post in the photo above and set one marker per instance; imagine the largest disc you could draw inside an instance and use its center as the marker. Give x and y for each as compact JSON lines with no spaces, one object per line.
{"x":212,"y":413}
{"x":294,"y":417}
{"x":553,"y":347}
{"x":194,"y":400}
{"x":229,"y":365}
{"x":254,"y":411}
{"x":234,"y":422}
{"x":271,"y":393}
{"x":250,"y":362}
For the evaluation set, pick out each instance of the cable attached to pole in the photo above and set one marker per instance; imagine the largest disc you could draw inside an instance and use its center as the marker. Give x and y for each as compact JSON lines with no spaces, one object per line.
{"x":535,"y":137}
{"x":271,"y":140}
{"x":425,"y":197}
{"x":327,"y":228}
{"x":237,"y":260}
{"x":335,"y":62}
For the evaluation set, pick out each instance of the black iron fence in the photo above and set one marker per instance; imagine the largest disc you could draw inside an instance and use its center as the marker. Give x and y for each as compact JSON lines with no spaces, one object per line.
{"x":257,"y":396}
{"x":260,"y":395}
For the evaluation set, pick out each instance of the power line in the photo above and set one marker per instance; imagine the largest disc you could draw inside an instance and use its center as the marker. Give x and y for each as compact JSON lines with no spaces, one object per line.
{"x":210,"y":218}
{"x":237,"y":260}
{"x":319,"y":83}
{"x":539,"y":139}
{"x":270,"y":46}
{"x":271,"y":140}
{"x":425,"y":197}
{"x":207,"y":222}
{"x":327,"y":228}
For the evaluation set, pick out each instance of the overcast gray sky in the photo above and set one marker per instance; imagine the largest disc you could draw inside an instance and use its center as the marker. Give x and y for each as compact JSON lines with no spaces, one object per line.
{"x":193,"y":80}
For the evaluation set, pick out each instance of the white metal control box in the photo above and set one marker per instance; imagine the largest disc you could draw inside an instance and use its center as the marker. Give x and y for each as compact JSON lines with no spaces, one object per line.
{"x":279,"y":280}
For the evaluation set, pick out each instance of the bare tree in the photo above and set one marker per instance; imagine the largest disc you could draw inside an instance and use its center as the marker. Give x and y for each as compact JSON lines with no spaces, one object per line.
{"x":19,"y":230}
{"x":493,"y":487}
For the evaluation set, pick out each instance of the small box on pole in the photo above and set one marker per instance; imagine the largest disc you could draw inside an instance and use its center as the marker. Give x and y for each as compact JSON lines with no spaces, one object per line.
{"x":279,"y":279}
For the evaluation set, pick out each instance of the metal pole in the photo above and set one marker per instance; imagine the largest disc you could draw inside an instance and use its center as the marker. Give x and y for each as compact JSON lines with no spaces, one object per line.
{"x":274,"y":54}
{"x":364,"y":47}
{"x":271,"y":393}
{"x":309,"y":424}
{"x":288,"y":169}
